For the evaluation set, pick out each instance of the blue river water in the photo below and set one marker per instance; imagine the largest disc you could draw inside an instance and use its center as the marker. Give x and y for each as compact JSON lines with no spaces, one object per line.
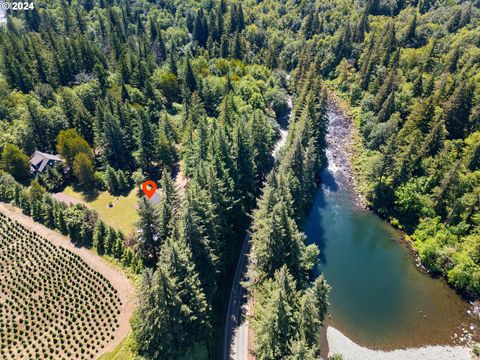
{"x":379,"y":298}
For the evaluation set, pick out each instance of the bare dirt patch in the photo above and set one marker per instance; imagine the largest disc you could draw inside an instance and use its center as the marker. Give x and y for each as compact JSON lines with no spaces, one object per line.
{"x":67,"y":199}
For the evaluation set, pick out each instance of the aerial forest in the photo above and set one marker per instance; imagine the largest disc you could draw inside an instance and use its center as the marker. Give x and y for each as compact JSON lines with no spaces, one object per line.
{"x":126,"y":91}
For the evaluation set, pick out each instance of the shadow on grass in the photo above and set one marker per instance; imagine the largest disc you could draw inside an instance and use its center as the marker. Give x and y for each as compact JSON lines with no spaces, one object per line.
{"x":121,"y":192}
{"x":89,"y":193}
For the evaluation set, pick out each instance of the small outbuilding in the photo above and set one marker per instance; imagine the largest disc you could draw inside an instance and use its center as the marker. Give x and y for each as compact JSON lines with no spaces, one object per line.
{"x":39,"y":161}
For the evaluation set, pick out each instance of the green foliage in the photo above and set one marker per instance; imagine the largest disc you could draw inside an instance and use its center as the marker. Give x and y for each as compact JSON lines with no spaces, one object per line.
{"x":116,"y":181}
{"x":149,"y":239}
{"x":15,"y":162}
{"x":288,"y":312}
{"x":70,"y":144}
{"x":173,"y":314}
{"x":52,"y":177}
{"x":83,"y":169}
{"x":286,"y":321}
{"x":476,"y":349}
{"x":77,"y":221}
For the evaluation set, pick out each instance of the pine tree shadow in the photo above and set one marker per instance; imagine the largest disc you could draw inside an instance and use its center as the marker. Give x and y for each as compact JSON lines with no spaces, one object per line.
{"x":89,"y":193}
{"x":121,"y":192}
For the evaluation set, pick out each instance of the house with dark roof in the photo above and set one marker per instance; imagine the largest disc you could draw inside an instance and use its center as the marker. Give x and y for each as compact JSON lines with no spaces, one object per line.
{"x":39,"y":161}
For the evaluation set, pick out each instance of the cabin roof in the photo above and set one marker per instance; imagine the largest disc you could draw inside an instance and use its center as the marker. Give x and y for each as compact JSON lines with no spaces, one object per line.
{"x":39,"y":160}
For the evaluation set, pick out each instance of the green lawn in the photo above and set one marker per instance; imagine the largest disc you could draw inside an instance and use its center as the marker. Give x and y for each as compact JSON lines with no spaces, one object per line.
{"x":122,"y":352}
{"x":122,"y":216}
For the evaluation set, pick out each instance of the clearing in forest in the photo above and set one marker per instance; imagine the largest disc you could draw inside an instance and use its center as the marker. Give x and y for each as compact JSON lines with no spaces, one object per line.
{"x":56,"y":301}
{"x":117,"y":211}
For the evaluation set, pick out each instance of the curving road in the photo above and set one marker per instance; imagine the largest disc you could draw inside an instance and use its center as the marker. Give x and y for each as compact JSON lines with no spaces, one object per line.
{"x":236,"y":323}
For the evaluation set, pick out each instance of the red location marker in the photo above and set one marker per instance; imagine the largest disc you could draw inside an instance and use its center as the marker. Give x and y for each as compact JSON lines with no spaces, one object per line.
{"x":149,"y":187}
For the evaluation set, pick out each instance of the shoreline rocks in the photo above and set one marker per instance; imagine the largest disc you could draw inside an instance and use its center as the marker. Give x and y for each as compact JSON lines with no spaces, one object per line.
{"x":338,"y":343}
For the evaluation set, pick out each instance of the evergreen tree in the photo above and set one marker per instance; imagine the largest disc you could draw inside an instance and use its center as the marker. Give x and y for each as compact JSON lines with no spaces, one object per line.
{"x":101,"y":75}
{"x":200,"y":29}
{"x":110,"y":137}
{"x":124,"y":93}
{"x":274,"y":322}
{"x":277,"y":242}
{"x":147,"y":144}
{"x":149,"y":236}
{"x":457,"y":111}
{"x":240,"y":18}
{"x":122,"y":181}
{"x":99,"y":235}
{"x":417,"y":88}
{"x":409,"y":39}
{"x":313,"y":309}
{"x":111,"y":180}
{"x":236,"y":48}
{"x":171,"y":60}
{"x":245,"y":167}
{"x":189,"y":78}
{"x":173,"y":315}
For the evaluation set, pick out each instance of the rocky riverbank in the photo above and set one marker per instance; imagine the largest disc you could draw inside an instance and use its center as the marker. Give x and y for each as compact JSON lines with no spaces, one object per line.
{"x":341,"y":140}
{"x":340,"y":344}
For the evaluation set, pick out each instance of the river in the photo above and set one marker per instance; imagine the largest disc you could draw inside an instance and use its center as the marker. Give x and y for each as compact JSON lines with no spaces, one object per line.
{"x":379,"y":298}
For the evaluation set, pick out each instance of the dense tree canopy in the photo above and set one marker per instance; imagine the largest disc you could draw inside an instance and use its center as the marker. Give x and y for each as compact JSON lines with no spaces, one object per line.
{"x":416,"y":86}
{"x":135,"y":90}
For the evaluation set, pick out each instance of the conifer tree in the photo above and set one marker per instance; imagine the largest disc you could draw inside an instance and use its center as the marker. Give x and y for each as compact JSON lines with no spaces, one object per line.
{"x":409,"y":39}
{"x":111,"y":179}
{"x":121,"y":180}
{"x":101,"y":75}
{"x":173,"y":316}
{"x":457,"y":111}
{"x":277,"y":242}
{"x":110,"y":137}
{"x":200,"y":29}
{"x":191,"y":231}
{"x":147,"y":144}
{"x":274,"y":322}
{"x":171,"y":60}
{"x":245,"y":166}
{"x":124,"y":93}
{"x":148,"y":233}
{"x":189,"y":78}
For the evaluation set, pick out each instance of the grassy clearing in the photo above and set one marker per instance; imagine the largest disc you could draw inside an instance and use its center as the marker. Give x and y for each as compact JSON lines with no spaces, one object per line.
{"x":122,"y":352}
{"x":122,"y":215}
